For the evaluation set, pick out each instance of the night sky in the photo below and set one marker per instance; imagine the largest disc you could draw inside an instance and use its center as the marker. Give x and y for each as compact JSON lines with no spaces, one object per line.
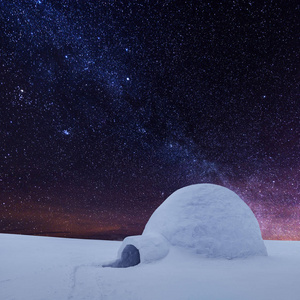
{"x":107,"y":107}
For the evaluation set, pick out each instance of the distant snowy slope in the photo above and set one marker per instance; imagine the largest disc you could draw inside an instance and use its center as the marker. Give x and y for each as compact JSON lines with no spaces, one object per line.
{"x":35,"y":268}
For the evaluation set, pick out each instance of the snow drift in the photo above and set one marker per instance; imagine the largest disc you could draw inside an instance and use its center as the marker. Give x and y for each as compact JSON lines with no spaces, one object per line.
{"x":207,"y":219}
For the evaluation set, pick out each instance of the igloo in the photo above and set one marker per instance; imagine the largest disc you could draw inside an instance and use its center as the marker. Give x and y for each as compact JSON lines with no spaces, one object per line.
{"x":206,"y":219}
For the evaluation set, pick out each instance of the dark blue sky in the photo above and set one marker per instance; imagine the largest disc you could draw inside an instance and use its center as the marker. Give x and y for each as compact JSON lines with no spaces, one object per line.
{"x":107,"y":107}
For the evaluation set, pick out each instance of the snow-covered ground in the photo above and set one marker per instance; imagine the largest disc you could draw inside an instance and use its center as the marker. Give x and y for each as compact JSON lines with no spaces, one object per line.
{"x":43,"y":268}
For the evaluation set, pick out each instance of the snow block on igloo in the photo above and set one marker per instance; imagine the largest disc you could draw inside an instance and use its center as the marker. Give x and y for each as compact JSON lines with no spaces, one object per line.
{"x":209,"y":219}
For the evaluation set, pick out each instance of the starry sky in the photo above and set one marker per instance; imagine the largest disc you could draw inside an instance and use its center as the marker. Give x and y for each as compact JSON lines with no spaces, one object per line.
{"x":107,"y":107}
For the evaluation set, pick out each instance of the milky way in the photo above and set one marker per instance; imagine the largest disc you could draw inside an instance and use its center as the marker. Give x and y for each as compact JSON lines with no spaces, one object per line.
{"x":107,"y":107}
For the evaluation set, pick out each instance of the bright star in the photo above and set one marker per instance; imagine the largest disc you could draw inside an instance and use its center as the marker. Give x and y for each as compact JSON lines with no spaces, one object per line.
{"x":66,"y":132}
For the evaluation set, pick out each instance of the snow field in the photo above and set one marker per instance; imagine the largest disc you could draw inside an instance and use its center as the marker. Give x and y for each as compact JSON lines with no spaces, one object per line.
{"x":42,"y":268}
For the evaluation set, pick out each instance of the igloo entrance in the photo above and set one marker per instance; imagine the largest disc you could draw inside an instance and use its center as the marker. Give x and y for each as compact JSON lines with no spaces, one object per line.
{"x":130,"y":257}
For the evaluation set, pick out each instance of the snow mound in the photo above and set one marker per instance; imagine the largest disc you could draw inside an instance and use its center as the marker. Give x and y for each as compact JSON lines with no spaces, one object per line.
{"x":210,"y":219}
{"x":207,"y":219}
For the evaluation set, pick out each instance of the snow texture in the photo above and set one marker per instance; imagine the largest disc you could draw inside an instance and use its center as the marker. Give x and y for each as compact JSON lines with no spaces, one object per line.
{"x":35,"y":268}
{"x":209,"y":219}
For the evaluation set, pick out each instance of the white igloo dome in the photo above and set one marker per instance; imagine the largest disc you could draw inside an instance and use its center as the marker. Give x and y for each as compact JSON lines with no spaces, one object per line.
{"x":210,"y":219}
{"x":207,"y":219}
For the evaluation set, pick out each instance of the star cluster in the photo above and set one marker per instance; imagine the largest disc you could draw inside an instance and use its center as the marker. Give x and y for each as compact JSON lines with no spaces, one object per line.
{"x":107,"y":107}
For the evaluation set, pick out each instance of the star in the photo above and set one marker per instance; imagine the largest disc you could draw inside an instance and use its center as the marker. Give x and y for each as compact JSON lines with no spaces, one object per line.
{"x":66,"y":132}
{"x":104,"y":106}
